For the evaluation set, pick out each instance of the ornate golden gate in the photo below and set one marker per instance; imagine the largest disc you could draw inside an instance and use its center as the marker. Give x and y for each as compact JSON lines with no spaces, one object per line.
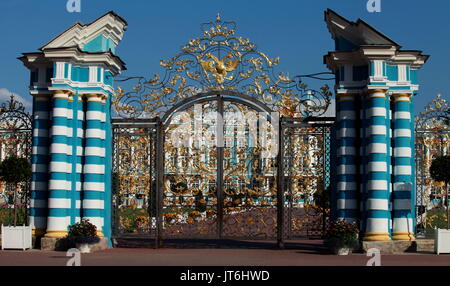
{"x":223,"y":190}
{"x":432,"y":140}
{"x":211,"y":152}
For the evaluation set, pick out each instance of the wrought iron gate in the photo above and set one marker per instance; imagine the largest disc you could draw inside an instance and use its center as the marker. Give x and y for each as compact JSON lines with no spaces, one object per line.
{"x":15,"y":139}
{"x":305,"y":175}
{"x":219,"y":192}
{"x":191,"y":189}
{"x":134,"y":178}
{"x":432,"y":140}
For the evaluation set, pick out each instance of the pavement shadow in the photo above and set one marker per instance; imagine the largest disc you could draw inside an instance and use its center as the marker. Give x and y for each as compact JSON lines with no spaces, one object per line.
{"x":304,"y":246}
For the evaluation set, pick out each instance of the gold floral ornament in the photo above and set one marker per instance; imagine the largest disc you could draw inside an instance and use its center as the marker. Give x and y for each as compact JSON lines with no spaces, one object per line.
{"x":436,"y":115}
{"x":219,"y":62}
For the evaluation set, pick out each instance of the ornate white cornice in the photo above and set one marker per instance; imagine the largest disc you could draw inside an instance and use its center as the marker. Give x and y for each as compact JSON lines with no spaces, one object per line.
{"x":359,"y":32}
{"x":74,"y":55}
{"x":110,"y":25}
{"x":365,"y":54}
{"x":366,"y":44}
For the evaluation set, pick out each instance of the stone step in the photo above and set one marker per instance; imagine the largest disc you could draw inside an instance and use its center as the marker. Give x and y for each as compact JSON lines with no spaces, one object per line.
{"x":398,"y":247}
{"x":425,"y":245}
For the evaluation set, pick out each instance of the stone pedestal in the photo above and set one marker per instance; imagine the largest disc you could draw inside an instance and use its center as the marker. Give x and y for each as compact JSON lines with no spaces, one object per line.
{"x":425,"y":245}
{"x":62,"y":244}
{"x":36,"y":241}
{"x":391,"y":247}
{"x":101,"y":245}
{"x":50,"y":244}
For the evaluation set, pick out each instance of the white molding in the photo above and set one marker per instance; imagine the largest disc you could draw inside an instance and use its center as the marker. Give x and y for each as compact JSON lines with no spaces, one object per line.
{"x":378,"y":67}
{"x":402,"y":76}
{"x":69,"y":74}
{"x":75,"y":84}
{"x":93,"y":74}
{"x":59,"y":73}
{"x":80,"y":57}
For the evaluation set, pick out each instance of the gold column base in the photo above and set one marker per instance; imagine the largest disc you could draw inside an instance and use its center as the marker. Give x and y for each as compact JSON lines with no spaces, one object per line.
{"x":405,"y":236}
{"x":100,"y":233}
{"x":38,"y":231}
{"x":376,"y":236}
{"x":56,"y":233}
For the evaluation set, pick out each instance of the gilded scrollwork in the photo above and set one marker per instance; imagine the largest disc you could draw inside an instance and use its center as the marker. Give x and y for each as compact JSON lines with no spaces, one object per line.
{"x":15,"y":139}
{"x":234,"y":183}
{"x":432,"y":139}
{"x":220,"y":61}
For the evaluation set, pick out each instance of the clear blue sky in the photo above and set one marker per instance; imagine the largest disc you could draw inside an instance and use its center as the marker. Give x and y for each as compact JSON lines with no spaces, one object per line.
{"x":294,"y":30}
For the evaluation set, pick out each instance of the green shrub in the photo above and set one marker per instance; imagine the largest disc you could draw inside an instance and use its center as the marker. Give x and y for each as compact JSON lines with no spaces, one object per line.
{"x":7,"y":216}
{"x":439,"y":171}
{"x":83,"y":232}
{"x":342,"y":234}
{"x":15,"y":170}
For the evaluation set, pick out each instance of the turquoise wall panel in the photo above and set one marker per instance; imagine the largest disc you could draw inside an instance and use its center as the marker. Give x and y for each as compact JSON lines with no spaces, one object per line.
{"x":99,"y":44}
{"x":392,"y":72}
{"x":108,"y":78}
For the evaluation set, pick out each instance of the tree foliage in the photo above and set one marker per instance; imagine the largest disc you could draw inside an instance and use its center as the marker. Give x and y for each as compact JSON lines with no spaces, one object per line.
{"x":440,"y":169}
{"x":440,"y":172}
{"x":15,"y":170}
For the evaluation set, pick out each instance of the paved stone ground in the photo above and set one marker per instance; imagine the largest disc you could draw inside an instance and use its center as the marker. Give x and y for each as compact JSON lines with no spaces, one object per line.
{"x":301,"y":253}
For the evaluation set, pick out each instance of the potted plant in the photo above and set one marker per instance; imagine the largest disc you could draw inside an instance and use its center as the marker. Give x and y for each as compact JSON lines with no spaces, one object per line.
{"x":15,"y":170}
{"x":84,"y":235}
{"x":439,"y":172}
{"x":341,"y":237}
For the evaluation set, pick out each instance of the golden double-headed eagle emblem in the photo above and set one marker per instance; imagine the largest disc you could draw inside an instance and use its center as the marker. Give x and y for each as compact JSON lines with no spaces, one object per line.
{"x":219,"y":68}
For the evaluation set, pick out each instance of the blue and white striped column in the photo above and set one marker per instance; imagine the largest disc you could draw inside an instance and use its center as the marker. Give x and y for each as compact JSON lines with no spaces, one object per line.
{"x":403,"y":170}
{"x":40,"y":161}
{"x":59,"y":186}
{"x":77,"y":157}
{"x":363,"y":161}
{"x":94,"y":161}
{"x":378,"y":159}
{"x":347,"y":197}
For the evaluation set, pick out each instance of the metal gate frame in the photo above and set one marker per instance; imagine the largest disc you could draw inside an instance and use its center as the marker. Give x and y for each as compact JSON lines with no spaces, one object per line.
{"x":283,"y":224}
{"x":324,"y":125}
{"x":220,"y":97}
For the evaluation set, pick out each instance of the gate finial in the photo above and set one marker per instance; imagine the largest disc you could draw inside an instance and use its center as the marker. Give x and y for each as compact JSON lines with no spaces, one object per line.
{"x":218,"y":17}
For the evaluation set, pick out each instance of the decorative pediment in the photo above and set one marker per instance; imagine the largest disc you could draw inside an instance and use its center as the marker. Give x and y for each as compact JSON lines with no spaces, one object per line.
{"x":357,"y":33}
{"x":110,"y":25}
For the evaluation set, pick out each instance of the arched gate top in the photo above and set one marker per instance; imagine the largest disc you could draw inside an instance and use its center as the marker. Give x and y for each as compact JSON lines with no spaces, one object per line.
{"x":436,"y":116}
{"x":13,"y":116}
{"x":214,"y":95}
{"x":220,"y":62}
